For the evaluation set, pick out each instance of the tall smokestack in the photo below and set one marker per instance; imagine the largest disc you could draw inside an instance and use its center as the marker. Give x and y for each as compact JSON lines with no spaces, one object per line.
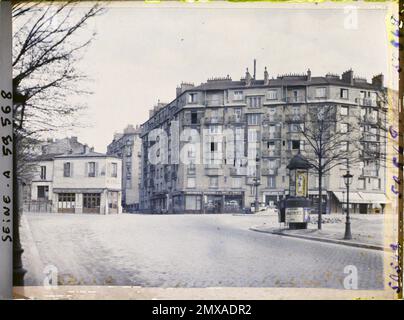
{"x":255,"y":68}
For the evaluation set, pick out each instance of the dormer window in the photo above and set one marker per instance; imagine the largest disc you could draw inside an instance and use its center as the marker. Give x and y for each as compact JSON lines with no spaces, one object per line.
{"x":238,"y":95}
{"x":320,"y":92}
{"x":272,"y":95}
{"x":192,"y":97}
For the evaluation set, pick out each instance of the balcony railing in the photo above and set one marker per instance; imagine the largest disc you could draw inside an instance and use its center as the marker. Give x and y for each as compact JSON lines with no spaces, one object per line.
{"x":238,"y":171}
{"x":269,"y":171}
{"x":294,"y":118}
{"x":368,"y":118}
{"x":213,"y":171}
{"x":212,"y":120}
{"x":295,"y":99}
{"x":235,"y":119}
{"x":370,"y":137}
{"x":214,"y":102}
{"x":370,"y":172}
{"x":271,"y":135}
{"x":270,"y":153}
{"x":272,"y":118}
{"x":367,"y":102}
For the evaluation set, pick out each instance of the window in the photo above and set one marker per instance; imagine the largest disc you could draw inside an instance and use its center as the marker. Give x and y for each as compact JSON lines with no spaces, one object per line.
{"x":320,"y":92}
{"x":253,"y":119}
{"x":215,"y":129}
{"x":214,"y":146}
{"x":237,"y":113}
{"x":236,"y":182}
{"x":252,"y":136}
{"x":376,"y":184}
{"x":192,"y":98}
{"x":343,"y":94}
{"x":43,"y":172}
{"x":344,"y":111}
{"x":361,"y":183}
{"x":191,"y":182}
{"x":272,"y":95}
{"x":194,"y":117}
{"x":238,"y":95}
{"x":255,"y":102}
{"x":295,"y":144}
{"x":213,"y":182}
{"x":91,"y":169}
{"x":344,"y":127}
{"x":271,"y":145}
{"x":271,"y":182}
{"x":67,"y":169}
{"x":91,"y":200}
{"x":114,"y":170}
{"x":43,"y":192}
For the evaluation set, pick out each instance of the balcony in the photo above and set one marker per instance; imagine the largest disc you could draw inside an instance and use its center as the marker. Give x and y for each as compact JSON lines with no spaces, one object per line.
{"x":213,"y":171}
{"x":267,"y":118}
{"x":296,"y":99}
{"x":367,"y":102}
{"x":235,"y":119}
{"x":370,"y":172}
{"x":370,"y":118}
{"x":213,"y":120}
{"x":214,"y":102}
{"x":191,"y":171}
{"x":294,"y":118}
{"x":271,"y":135}
{"x":238,"y":171}
{"x":269,"y":171}
{"x":270,"y":153}
{"x":372,"y":137}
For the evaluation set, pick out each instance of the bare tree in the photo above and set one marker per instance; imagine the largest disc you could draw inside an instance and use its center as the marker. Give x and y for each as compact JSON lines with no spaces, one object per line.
{"x":332,"y":139}
{"x":344,"y":136}
{"x":49,"y":39}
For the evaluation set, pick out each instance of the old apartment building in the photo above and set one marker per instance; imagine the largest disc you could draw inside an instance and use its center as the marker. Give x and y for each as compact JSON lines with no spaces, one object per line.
{"x":264,"y":117}
{"x":127,"y":146}
{"x":85,"y":182}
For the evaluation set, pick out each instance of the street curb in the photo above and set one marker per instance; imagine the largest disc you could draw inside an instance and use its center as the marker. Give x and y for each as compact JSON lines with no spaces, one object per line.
{"x":335,"y":241}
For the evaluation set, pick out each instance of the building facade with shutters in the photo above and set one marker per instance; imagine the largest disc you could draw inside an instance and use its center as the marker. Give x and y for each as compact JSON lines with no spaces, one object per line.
{"x":87,"y":182}
{"x":219,"y":146}
{"x":127,"y":146}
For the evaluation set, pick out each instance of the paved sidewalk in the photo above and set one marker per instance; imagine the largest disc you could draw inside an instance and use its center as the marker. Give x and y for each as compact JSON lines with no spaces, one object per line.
{"x":367,"y":230}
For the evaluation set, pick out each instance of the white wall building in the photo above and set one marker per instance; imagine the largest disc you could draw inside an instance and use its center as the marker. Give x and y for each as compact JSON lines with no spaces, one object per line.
{"x":79,"y":183}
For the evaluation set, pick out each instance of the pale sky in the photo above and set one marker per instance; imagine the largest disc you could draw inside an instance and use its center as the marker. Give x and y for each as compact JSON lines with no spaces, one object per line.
{"x":142,"y":53}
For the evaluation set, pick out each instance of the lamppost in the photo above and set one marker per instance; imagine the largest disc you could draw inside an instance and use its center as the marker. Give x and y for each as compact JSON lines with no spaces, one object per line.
{"x":257,"y":182}
{"x":343,"y":201}
{"x":348,"y":180}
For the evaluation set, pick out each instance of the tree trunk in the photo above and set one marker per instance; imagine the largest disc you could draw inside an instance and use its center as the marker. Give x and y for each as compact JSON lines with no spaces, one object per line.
{"x":320,"y":200}
{"x":18,"y":270}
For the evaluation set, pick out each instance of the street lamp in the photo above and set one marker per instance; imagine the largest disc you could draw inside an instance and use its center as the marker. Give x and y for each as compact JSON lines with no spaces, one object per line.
{"x":257,"y":182}
{"x":348,"y":180}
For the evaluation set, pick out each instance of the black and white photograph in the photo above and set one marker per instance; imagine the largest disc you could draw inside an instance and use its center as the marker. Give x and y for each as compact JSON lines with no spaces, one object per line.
{"x":201,"y":150}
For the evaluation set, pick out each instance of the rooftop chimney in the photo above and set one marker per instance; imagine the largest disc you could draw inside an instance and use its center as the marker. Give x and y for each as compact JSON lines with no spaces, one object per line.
{"x":378,"y":80}
{"x":266,"y":77}
{"x":255,"y":69}
{"x":347,"y":77}
{"x":308,"y":75}
{"x":247,"y":78}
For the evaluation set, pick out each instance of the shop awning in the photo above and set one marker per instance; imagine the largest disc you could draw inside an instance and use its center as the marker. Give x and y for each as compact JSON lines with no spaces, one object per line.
{"x":362,"y":197}
{"x":354,"y":197}
{"x":376,"y":198}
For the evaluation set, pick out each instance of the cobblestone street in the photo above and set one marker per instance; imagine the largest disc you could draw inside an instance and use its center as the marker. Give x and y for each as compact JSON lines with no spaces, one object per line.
{"x":185,"y":251}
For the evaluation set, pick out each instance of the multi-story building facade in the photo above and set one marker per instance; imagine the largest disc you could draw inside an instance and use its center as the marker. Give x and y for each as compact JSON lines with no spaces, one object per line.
{"x":261,"y":119}
{"x":127,"y":146}
{"x":88,"y":182}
